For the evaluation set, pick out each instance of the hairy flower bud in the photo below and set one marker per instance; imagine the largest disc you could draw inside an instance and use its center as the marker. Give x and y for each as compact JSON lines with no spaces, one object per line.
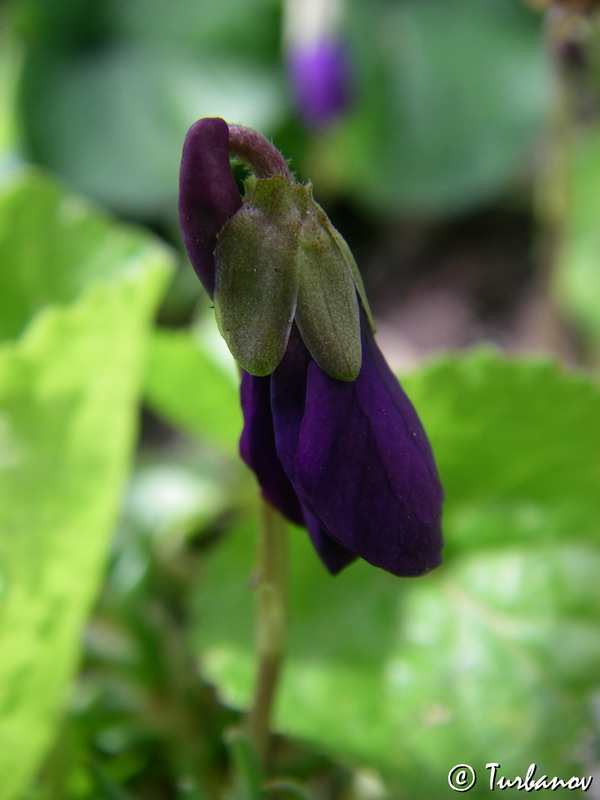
{"x":333,"y":440}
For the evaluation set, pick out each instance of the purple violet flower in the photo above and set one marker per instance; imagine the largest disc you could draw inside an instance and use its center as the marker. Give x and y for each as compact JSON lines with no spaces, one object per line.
{"x":347,"y":459}
{"x":319,"y":75}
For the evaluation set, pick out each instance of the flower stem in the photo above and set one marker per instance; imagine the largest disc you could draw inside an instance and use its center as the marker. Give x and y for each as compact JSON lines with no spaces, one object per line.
{"x":263,"y":158}
{"x":271,"y":624}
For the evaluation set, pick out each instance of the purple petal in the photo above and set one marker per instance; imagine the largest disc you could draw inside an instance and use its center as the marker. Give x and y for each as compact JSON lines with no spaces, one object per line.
{"x":208,"y":195}
{"x":257,"y":447}
{"x":361,"y":464}
{"x":334,"y":555}
{"x":320,"y":79}
{"x":288,"y":398}
{"x":288,"y":395}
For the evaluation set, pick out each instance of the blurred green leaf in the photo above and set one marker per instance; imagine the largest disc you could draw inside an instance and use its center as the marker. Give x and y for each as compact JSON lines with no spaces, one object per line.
{"x":578,"y":268}
{"x":107,"y":104}
{"x":170,"y":497}
{"x":52,"y":248}
{"x":10,"y":59}
{"x":493,"y":657}
{"x":450,"y":97}
{"x":517,"y":446}
{"x":186,"y":385}
{"x":113,"y":123}
{"x":249,"y":26}
{"x":69,"y":389}
{"x":246,"y":770}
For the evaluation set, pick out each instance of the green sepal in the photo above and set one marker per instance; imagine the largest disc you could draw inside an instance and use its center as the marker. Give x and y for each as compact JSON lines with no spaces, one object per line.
{"x":348,"y":257}
{"x":354,"y":271}
{"x":256,"y":280}
{"x":279,"y":258}
{"x":327,"y":312}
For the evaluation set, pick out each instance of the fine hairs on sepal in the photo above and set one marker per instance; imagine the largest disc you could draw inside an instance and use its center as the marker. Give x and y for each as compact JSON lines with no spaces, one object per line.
{"x":332,"y":438}
{"x":279,"y":259}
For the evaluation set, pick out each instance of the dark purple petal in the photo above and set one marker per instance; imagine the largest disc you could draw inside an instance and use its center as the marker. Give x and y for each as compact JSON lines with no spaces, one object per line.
{"x":257,"y":447}
{"x":287,"y":397}
{"x":320,"y":79}
{"x":208,"y":195}
{"x":360,"y":462}
{"x":334,"y":555}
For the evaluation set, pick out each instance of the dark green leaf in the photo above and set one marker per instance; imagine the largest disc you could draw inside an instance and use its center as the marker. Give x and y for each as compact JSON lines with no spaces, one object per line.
{"x":80,"y":119}
{"x":451,"y":96}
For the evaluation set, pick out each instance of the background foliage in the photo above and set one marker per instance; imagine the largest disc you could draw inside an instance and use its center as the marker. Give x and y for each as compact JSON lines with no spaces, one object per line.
{"x":466,"y":177}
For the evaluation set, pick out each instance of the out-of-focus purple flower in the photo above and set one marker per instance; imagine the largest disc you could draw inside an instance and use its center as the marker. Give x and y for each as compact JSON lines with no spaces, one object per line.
{"x":320,"y":78}
{"x":347,"y":459}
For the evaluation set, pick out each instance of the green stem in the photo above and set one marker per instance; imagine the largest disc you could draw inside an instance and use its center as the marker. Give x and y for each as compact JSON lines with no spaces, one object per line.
{"x":271,"y":624}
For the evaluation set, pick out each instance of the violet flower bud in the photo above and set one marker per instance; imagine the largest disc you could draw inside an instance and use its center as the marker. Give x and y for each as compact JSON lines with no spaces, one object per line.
{"x":318,"y":60}
{"x":319,"y":75}
{"x":208,"y":194}
{"x":346,"y":458}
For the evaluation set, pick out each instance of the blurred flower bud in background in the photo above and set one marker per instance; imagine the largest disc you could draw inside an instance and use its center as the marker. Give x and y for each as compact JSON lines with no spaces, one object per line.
{"x":318,"y":61}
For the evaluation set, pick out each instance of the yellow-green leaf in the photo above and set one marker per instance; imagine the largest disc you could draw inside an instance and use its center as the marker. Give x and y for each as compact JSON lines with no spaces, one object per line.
{"x":69,"y":386}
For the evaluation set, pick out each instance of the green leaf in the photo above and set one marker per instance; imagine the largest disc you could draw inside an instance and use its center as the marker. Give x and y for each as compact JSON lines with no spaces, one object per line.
{"x":286,"y":790}
{"x":493,"y":657}
{"x":256,"y":284}
{"x":200,"y":25}
{"x":45,"y":250}
{"x":515,"y":443}
{"x":186,"y":385}
{"x":451,"y":96}
{"x":10,"y":62}
{"x":246,"y":768}
{"x":327,"y":313}
{"x":576,"y":278}
{"x":203,"y":59}
{"x":69,"y":389}
{"x":79,"y":120}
